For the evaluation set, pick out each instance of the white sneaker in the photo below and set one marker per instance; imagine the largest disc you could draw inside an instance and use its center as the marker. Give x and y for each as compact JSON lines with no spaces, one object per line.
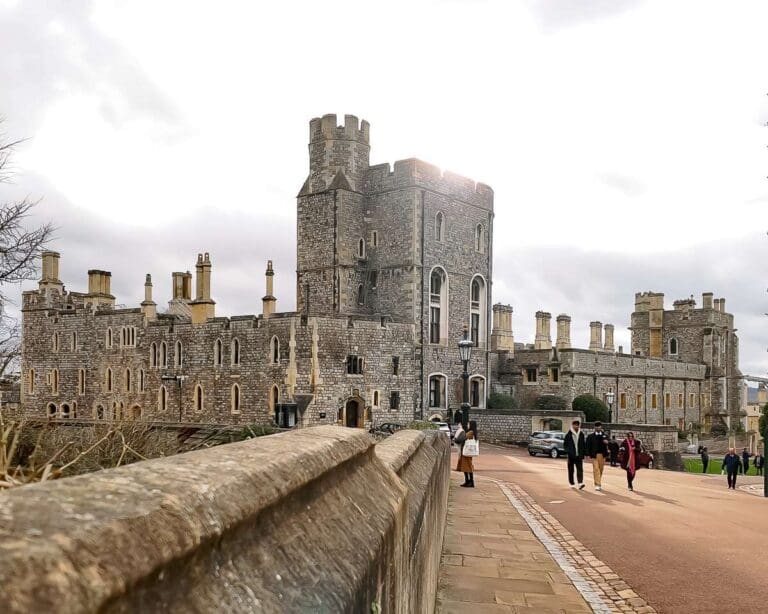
{"x":598,"y":488}
{"x":581,"y":486}
{"x":573,"y":485}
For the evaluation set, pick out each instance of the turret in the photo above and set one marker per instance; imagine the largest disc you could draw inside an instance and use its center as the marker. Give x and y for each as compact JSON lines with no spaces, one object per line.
{"x":338,"y":155}
{"x":203,"y":307}
{"x":268,"y":301}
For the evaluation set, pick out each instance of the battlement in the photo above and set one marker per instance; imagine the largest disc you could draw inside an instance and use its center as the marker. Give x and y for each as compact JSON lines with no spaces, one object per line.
{"x":647,"y":301}
{"x":326,"y":128}
{"x":414,"y":172}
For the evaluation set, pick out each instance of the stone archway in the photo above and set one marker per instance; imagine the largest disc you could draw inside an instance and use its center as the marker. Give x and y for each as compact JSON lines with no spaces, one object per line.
{"x":352,"y":413}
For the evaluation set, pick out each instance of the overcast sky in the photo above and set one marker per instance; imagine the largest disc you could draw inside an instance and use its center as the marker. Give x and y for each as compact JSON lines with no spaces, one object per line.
{"x":624,"y":139}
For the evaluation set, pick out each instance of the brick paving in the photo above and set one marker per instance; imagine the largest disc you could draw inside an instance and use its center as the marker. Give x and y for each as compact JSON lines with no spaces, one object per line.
{"x":504,"y":553}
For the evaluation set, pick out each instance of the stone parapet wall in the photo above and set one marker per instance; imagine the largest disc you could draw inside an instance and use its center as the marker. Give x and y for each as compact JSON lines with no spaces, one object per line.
{"x":516,"y":425}
{"x":659,"y":439}
{"x":313,"y":520}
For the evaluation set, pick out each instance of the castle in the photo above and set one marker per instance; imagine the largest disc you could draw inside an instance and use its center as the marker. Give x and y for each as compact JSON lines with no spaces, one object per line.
{"x":394,"y":266}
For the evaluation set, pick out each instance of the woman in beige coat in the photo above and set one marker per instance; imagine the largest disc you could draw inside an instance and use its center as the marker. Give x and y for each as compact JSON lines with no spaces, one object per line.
{"x":465,"y":464}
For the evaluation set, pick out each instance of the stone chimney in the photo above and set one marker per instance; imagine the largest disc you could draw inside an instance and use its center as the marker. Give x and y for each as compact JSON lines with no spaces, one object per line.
{"x":717,"y":305}
{"x":596,"y":336}
{"x":722,"y":305}
{"x":502,"y":339}
{"x":203,"y":307}
{"x":182,"y":294}
{"x":99,"y":289}
{"x":609,"y":347}
{"x":148,"y":306}
{"x":543,"y":339}
{"x":50,"y":274}
{"x":706,"y":300}
{"x":563,"y":331}
{"x":268,"y":301}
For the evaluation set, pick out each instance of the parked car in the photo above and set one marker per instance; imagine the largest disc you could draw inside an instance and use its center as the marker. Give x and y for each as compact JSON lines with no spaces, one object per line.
{"x":644,"y":458}
{"x":546,"y":442}
{"x":387,"y":428}
{"x":444,"y":427}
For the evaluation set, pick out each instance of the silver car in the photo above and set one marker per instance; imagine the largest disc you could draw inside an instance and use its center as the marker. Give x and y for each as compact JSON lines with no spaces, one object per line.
{"x":550,"y":443}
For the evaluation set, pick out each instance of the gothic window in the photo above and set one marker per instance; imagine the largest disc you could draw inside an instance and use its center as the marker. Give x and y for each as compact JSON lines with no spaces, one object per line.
{"x":375,"y":401}
{"x":438,"y":306}
{"x":479,"y":238}
{"x":31,"y":382}
{"x":198,"y":398}
{"x":74,"y":341}
{"x":673,"y":347}
{"x":55,"y":342}
{"x":437,"y":391}
{"x":179,"y":354}
{"x":162,"y":399}
{"x":65,"y":413}
{"x":361,"y":248}
{"x":108,"y":380}
{"x":374,"y":279}
{"x":109,"y":338}
{"x":142,"y":381}
{"x":477,"y":310}
{"x":394,"y":399}
{"x":127,"y":380}
{"x":360,"y":295}
{"x":55,"y":381}
{"x":274,"y":399}
{"x":153,"y":355}
{"x":477,"y":391}
{"x":235,"y":352}
{"x":354,"y":365}
{"x":374,"y":239}
{"x":163,"y":355}
{"x":439,"y":227}
{"x":395,"y":365}
{"x":217,"y":347}
{"x":235,"y":400}
{"x":81,"y":381}
{"x":274,"y":350}
{"x":51,"y":410}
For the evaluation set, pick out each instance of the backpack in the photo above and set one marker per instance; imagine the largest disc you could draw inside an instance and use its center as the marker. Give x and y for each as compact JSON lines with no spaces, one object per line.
{"x":460,"y":437}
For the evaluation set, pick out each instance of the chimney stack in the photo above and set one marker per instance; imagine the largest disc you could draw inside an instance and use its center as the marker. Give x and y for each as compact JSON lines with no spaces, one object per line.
{"x":596,"y":336}
{"x":502,"y":339}
{"x":50,"y":274}
{"x":148,"y":306}
{"x":563,"y":331}
{"x":99,"y":289}
{"x":706,"y":300}
{"x":268,"y":301}
{"x":203,"y":307}
{"x":608,"y":347}
{"x":543,"y":339}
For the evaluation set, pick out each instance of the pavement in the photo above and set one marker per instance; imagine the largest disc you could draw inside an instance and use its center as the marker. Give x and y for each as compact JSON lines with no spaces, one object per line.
{"x":679,"y":543}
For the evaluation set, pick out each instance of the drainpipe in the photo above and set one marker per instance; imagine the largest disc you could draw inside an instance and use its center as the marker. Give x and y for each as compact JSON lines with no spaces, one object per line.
{"x":421,"y":318}
{"x":336,"y":287}
{"x":488,"y":309}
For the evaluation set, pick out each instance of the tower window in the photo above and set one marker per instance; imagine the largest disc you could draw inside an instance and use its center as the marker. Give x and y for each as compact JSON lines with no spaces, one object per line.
{"x":437,"y":391}
{"x":375,"y":401}
{"x":31,"y":381}
{"x":274,"y":350}
{"x":198,"y":398}
{"x":395,"y":365}
{"x":354,"y":365}
{"x":439,"y":227}
{"x":108,"y":340}
{"x":673,"y":347}
{"x":374,"y":239}
{"x":530,"y":375}
{"x":108,"y":380}
{"x":360,"y":295}
{"x":554,"y":375}
{"x":55,"y":342}
{"x":235,"y":351}
{"x":163,"y":355}
{"x":217,"y":353}
{"x":153,"y":355}
{"x":179,"y":354}
{"x":394,"y":399}
{"x":361,"y":248}
{"x":162,"y":399}
{"x":479,"y":238}
{"x":477,"y":392}
{"x":235,"y":406}
{"x":438,"y":306}
{"x":477,"y":310}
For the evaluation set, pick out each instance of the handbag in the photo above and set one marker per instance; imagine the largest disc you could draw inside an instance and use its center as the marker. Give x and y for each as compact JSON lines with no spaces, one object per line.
{"x":460,"y":437}
{"x":471,"y":448}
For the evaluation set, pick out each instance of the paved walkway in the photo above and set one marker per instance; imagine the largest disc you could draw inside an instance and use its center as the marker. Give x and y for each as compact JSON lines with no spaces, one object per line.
{"x":493,"y":562}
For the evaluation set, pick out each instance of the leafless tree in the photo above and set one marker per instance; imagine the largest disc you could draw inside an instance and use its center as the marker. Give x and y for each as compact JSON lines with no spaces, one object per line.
{"x":20,"y":246}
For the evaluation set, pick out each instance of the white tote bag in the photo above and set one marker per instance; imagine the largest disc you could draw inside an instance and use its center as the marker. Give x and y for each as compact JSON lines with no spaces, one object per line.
{"x":471,"y":448}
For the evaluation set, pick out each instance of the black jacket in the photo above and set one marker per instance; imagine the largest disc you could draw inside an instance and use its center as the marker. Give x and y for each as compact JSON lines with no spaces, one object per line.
{"x":704,"y":457}
{"x":597,"y":443}
{"x":731,"y":463}
{"x":745,"y":459}
{"x":759,"y":461}
{"x":570,"y":445}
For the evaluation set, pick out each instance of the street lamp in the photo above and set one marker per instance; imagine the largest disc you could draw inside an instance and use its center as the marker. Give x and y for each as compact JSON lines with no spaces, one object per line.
{"x":465,"y":353}
{"x":609,"y":397}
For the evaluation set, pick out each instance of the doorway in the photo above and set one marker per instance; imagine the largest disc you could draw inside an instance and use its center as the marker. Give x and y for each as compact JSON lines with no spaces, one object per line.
{"x":352,"y":414}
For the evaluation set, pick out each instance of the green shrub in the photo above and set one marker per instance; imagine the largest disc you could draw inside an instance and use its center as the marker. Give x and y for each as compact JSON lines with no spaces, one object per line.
{"x":550,"y":402}
{"x":592,"y":407}
{"x":423,"y":425}
{"x":499,"y":400}
{"x":718,"y":429}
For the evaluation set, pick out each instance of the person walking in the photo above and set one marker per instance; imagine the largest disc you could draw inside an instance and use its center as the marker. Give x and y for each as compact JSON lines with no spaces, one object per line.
{"x":704,"y":459}
{"x":630,"y":448}
{"x":466,"y":465}
{"x":759,"y":462}
{"x":745,"y":461}
{"x":597,"y":450}
{"x":575,"y":447}
{"x":731,"y":466}
{"x":613,"y":447}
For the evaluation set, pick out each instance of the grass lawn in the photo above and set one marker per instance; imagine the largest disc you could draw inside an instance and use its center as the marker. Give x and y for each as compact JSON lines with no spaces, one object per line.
{"x":693,"y":465}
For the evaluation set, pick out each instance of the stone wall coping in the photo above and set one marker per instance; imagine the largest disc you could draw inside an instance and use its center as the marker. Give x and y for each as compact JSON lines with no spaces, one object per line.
{"x":628,"y":426}
{"x":569,"y":413}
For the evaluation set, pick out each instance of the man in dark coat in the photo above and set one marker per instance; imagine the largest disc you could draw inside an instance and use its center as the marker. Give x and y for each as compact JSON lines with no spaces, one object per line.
{"x":759,"y":462}
{"x":704,"y":459}
{"x":731,"y":466}
{"x":613,"y":448}
{"x":575,"y":446}
{"x":745,"y":461}
{"x":597,"y":450}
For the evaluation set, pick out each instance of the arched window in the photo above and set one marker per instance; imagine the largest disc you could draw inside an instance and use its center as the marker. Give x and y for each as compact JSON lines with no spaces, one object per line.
{"x":438,"y":306}
{"x":235,"y":401}
{"x":108,"y":380}
{"x":51,"y":410}
{"x":360,"y":295}
{"x":135,"y":412}
{"x":374,"y":239}
{"x":153,"y":354}
{"x":479,"y":238}
{"x":674,"y":347}
{"x":274,"y":350}
{"x":162,"y":399}
{"x":65,"y":410}
{"x":108,"y":341}
{"x":361,"y":248}
{"x":477,"y":391}
{"x":31,"y":382}
{"x":235,"y":352}
{"x":74,"y":341}
{"x":163,"y":355}
{"x":437,"y":391}
{"x":477,"y":310}
{"x":179,"y":355}
{"x":217,"y":353}
{"x":74,"y":409}
{"x":81,"y":381}
{"x":376,"y":399}
{"x":274,"y":398}
{"x":55,"y":381}
{"x":128,"y":380}
{"x":55,"y":342}
{"x":439,"y":226}
{"x":142,"y":381}
{"x":198,"y":398}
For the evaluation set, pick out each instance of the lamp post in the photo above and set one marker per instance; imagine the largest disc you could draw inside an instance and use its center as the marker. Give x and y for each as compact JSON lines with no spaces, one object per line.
{"x":465,"y":353}
{"x":609,"y":397}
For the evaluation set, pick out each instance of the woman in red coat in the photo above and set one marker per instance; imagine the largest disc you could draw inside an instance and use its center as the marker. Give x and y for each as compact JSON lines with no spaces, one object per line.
{"x":630,"y":448}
